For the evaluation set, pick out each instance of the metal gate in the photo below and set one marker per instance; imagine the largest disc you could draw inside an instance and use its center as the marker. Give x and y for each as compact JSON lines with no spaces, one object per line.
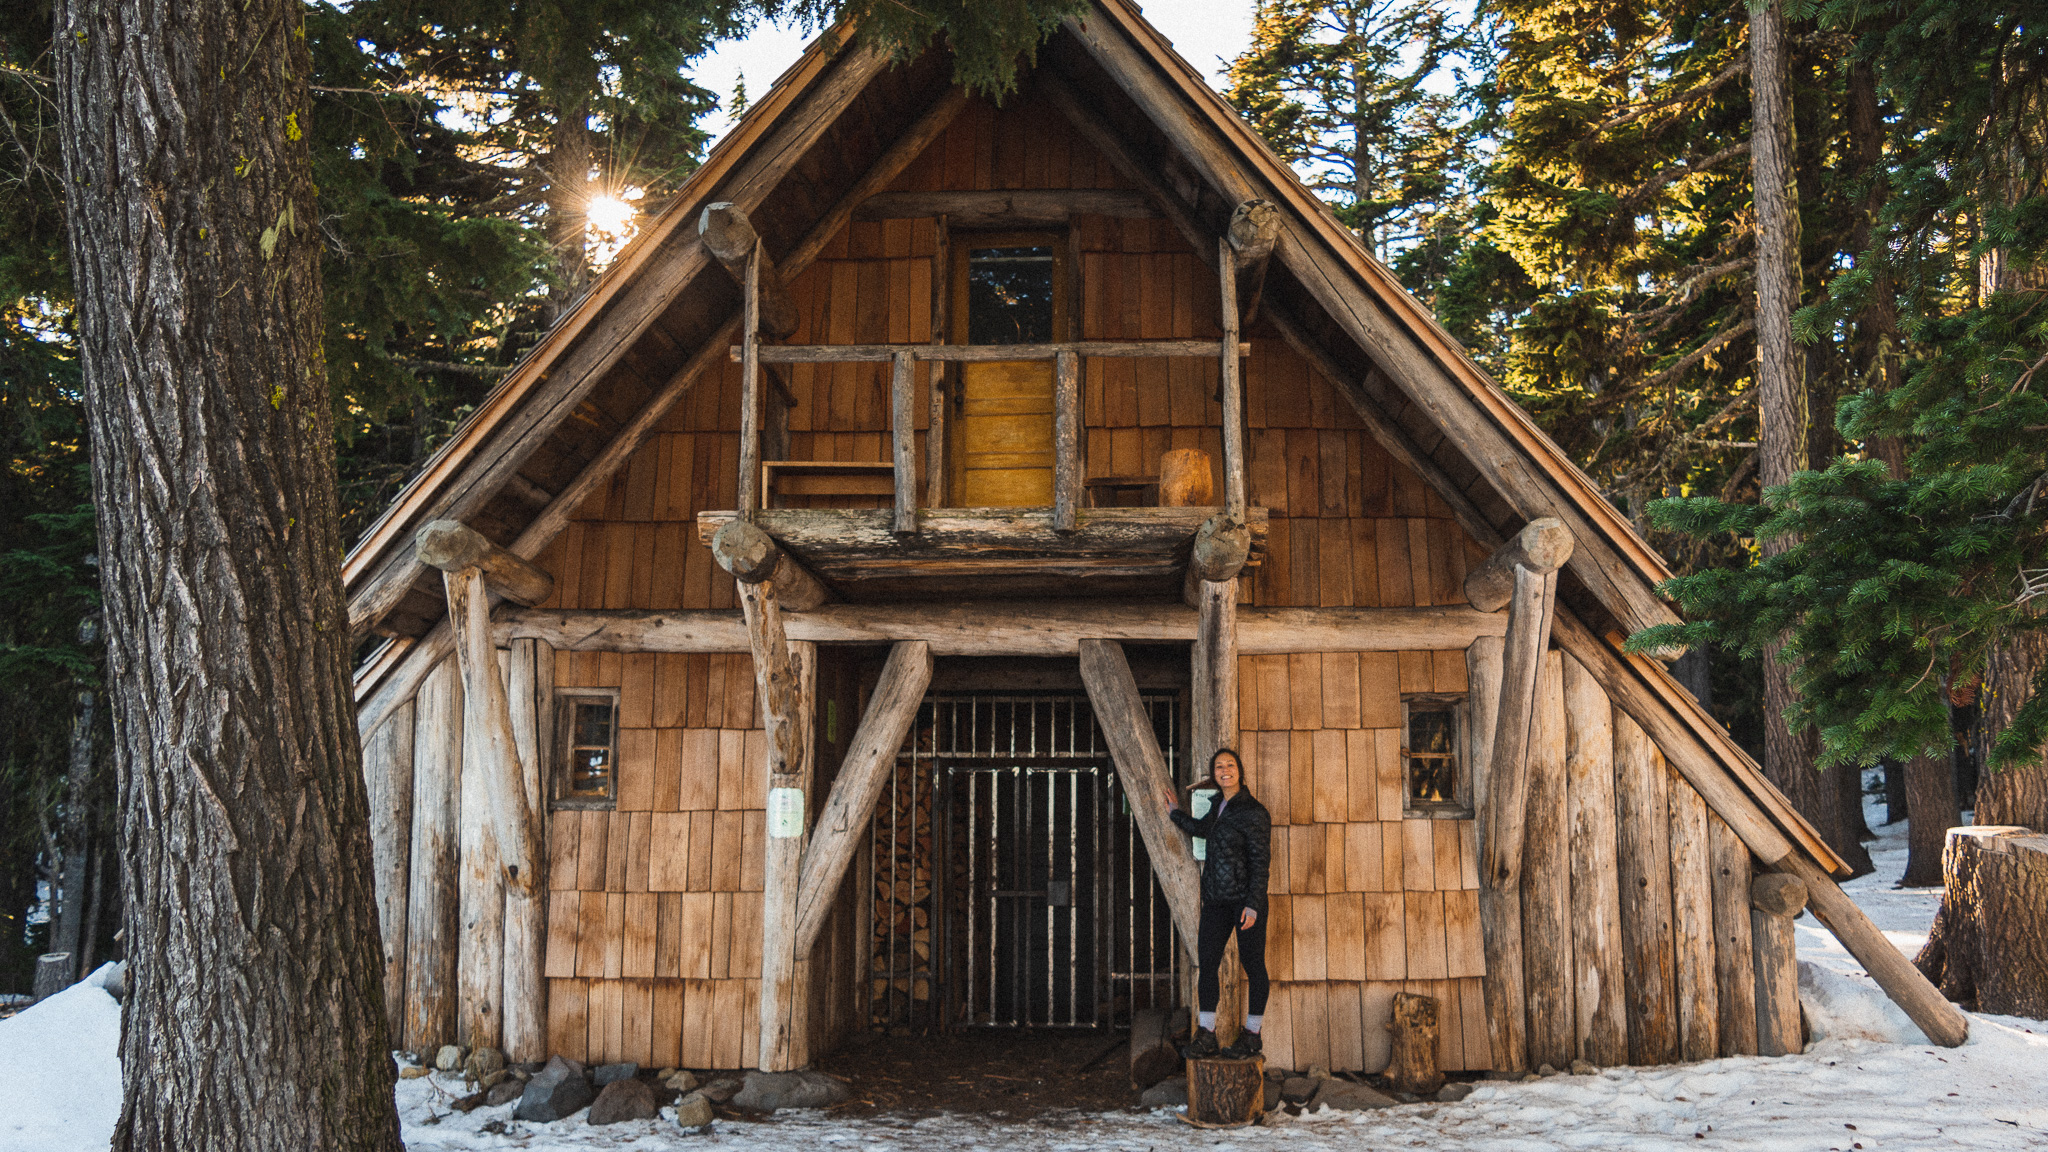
{"x":1011,"y":888}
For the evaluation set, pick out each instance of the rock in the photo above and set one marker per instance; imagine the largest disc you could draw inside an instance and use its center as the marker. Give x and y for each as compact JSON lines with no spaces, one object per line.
{"x":493,"y":1079}
{"x":504,"y":1091}
{"x":414,"y":1072}
{"x":693,"y":1111}
{"x":1272,"y":1094}
{"x":681,"y":1080}
{"x":1453,"y":1092}
{"x":1345,"y":1096}
{"x":1296,"y":1089}
{"x":1585,"y":1068}
{"x":470,"y":1103}
{"x":1318,"y":1072}
{"x":770,"y":1091}
{"x":1171,"y":1092}
{"x":664,"y":1074}
{"x":1546,"y":1070}
{"x":116,"y":983}
{"x":482,"y":1063}
{"x":448,"y":1059}
{"x":625,"y":1099}
{"x":555,"y":1093}
{"x":721,"y":1090}
{"x":609,"y":1074}
{"x":1272,"y":1119}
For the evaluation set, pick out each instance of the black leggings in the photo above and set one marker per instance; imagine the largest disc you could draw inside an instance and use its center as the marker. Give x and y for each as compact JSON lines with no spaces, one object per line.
{"x":1217,"y":922}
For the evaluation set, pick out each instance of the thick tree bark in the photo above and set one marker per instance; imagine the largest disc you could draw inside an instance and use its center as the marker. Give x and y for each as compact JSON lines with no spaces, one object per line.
{"x":1987,"y":947}
{"x":1931,"y":811}
{"x":1782,"y":398}
{"x":2011,"y":795}
{"x":256,"y":1015}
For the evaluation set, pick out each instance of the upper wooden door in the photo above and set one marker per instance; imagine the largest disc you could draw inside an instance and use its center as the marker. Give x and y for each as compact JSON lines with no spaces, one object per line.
{"x":1009,"y":289}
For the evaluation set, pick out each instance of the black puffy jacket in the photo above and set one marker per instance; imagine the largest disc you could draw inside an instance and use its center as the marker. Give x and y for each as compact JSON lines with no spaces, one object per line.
{"x":1240,"y":850}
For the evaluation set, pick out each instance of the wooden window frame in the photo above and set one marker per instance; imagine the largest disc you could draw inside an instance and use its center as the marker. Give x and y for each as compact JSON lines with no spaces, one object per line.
{"x":559,"y":797}
{"x":1459,"y":808}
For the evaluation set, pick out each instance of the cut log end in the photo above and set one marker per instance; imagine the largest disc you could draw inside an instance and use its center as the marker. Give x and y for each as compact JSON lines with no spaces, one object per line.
{"x":1543,"y":546}
{"x":1226,"y":1093}
{"x":746,"y":551}
{"x":1222,"y":545}
{"x":1778,"y":894}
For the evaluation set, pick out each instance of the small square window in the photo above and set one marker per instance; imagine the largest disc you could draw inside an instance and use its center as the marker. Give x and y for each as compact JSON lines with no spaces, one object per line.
{"x":1438,"y":780}
{"x":587,"y":725}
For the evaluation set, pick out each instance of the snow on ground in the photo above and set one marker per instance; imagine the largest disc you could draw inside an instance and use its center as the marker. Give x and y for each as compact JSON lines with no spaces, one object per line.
{"x":60,"y":1073}
{"x":1871,"y":1083}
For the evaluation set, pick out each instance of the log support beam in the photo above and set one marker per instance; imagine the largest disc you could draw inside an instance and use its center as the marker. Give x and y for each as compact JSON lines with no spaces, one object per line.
{"x":1530,"y":611}
{"x":753,"y":557}
{"x":1066,"y":441}
{"x":1774,"y":900}
{"x":452,"y":546}
{"x":863,"y":774}
{"x":1215,"y":669}
{"x":1113,"y":692}
{"x":903,"y":440}
{"x":1232,"y":385}
{"x":1254,"y":229}
{"x":1942,"y":1021}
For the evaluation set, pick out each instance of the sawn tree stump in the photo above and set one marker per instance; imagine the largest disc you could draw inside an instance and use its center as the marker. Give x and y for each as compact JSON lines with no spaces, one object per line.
{"x":1226,"y":1093}
{"x":1989,"y":943}
{"x":1413,"y":1067}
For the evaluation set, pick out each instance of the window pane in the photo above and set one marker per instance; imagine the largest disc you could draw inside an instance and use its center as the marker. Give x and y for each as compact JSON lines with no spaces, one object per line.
{"x":1432,"y":755}
{"x":590,"y":771}
{"x":1009,"y":296}
{"x":593,"y":724}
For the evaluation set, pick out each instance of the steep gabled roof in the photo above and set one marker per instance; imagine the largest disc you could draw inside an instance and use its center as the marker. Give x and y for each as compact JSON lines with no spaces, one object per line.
{"x":839,"y":125}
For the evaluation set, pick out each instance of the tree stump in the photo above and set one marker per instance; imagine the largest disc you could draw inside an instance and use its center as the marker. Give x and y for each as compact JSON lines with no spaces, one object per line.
{"x":1774,"y":899}
{"x":1226,"y":1093}
{"x":53,"y":974}
{"x":1415,"y":1026}
{"x":1988,"y":946}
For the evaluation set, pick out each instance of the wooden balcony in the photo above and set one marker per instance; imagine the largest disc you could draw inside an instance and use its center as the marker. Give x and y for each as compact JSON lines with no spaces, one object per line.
{"x":988,"y":552}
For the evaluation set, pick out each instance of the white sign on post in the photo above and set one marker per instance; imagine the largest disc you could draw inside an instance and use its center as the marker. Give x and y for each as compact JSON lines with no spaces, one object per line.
{"x":1198,"y":807}
{"x":785,"y":813}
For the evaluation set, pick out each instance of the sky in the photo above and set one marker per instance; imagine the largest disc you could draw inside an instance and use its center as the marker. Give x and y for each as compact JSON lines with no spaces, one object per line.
{"x":1206,"y":32}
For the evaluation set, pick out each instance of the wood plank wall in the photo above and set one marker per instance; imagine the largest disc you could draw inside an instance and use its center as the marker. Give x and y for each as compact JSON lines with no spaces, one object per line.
{"x":653,"y":938}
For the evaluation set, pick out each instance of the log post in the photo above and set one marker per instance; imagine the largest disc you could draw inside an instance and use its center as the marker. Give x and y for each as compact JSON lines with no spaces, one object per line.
{"x":451,"y":546}
{"x":387,"y":770}
{"x":530,"y":682}
{"x":1142,"y":770}
{"x":785,"y":677}
{"x":903,"y":439}
{"x":730,"y":237}
{"x":1226,"y":1093}
{"x":750,"y":384}
{"x":1215,"y":669}
{"x":1232,"y":387}
{"x":1066,"y":441}
{"x":500,"y":846}
{"x":1413,"y":1068}
{"x":1774,"y":900}
{"x":1254,"y":228}
{"x":432,"y":903}
{"x":1546,"y":883}
{"x":1601,"y":1028}
{"x":936,"y":461}
{"x":1734,"y":968}
{"x":1530,"y":609}
{"x":863,"y":774}
{"x":1222,"y":545}
{"x":1642,"y":817}
{"x":53,"y":974}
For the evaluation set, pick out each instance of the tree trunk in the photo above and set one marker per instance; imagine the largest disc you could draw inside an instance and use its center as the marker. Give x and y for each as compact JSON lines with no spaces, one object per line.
{"x":255,"y":1017}
{"x":1931,"y":811}
{"x":78,"y":779}
{"x":1988,"y":948}
{"x":568,"y":203}
{"x":2013,"y":795}
{"x":1782,"y":398}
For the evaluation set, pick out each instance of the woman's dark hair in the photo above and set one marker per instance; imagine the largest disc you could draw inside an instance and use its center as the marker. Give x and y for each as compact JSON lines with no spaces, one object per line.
{"x":1230,"y":752}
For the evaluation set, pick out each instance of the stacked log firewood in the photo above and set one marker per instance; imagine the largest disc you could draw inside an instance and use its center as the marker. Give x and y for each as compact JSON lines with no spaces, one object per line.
{"x":901,"y":967}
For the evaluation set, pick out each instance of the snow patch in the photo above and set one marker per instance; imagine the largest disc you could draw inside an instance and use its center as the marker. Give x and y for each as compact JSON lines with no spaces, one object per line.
{"x":60,"y":1071}
{"x":1843,"y":1007}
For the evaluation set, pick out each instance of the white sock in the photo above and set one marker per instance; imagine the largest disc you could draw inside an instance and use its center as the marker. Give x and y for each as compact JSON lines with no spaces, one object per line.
{"x":1209,"y":1021}
{"x":1252,"y":1024}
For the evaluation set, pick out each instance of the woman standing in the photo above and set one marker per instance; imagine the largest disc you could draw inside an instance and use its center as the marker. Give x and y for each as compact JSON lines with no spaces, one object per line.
{"x":1239,"y":834}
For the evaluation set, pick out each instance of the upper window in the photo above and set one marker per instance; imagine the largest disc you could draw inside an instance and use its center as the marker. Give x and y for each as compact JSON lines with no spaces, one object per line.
{"x":1433,"y":747}
{"x":588,"y":727}
{"x":1009,"y":296}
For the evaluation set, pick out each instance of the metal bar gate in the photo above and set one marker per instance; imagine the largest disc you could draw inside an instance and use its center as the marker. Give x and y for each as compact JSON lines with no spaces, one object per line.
{"x":1011,"y":888}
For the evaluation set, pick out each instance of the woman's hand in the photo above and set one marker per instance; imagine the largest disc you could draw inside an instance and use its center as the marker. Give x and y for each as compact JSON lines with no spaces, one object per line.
{"x":1170,"y":794}
{"x":1247,"y":919}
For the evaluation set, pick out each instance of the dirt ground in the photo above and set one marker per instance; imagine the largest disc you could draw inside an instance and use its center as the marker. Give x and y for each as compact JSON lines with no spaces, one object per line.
{"x":1020,"y":1075}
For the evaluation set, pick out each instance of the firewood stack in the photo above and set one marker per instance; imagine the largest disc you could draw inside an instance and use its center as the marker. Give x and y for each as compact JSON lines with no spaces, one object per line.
{"x":901,"y":967}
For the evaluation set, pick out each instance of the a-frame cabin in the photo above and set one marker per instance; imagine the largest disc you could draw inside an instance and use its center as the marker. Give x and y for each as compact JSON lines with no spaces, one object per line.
{"x":1053,"y":445}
